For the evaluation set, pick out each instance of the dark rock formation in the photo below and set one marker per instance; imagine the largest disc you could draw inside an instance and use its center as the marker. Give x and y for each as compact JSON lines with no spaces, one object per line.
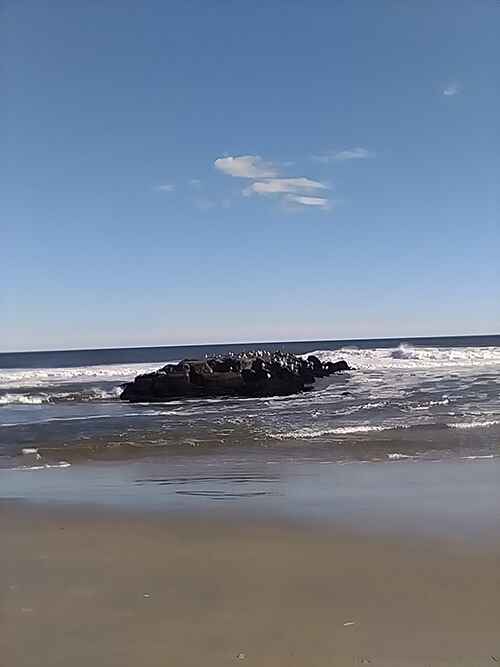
{"x":251,"y":374}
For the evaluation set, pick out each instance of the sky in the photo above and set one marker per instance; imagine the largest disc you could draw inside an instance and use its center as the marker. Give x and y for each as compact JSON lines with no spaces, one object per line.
{"x":219,"y":170}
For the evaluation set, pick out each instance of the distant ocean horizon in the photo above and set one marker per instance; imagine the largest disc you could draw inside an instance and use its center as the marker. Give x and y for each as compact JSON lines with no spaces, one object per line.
{"x":151,"y":353}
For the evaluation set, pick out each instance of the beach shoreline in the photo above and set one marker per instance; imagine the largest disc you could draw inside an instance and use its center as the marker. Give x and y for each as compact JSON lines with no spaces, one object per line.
{"x":448,"y":501}
{"x":355,"y":524}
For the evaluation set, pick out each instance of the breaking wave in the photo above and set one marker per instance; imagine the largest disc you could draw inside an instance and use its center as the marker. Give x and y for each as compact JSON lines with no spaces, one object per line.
{"x":47,"y":385}
{"x":476,"y":424}
{"x":47,"y":377}
{"x":479,"y":457}
{"x":414,"y":358}
{"x":45,"y":466}
{"x":22,"y":399}
{"x":396,"y":456}
{"x":41,"y":398}
{"x":339,"y":430}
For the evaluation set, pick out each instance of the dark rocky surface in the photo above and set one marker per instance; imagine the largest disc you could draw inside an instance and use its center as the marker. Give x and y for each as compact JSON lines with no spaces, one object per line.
{"x":251,"y":374}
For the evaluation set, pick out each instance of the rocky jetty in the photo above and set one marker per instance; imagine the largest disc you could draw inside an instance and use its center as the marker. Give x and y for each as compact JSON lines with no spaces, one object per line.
{"x":251,"y":374}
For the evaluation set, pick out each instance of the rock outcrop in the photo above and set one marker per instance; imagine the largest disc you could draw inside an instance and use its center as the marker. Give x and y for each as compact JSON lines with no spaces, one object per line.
{"x":251,"y":374}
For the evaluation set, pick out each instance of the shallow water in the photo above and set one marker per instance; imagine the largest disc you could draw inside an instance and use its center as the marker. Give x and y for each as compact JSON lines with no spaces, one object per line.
{"x":410,"y":400}
{"x":451,"y":499}
{"x":411,"y":436}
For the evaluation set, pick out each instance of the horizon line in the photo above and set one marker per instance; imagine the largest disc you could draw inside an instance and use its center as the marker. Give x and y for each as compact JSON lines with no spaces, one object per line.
{"x":254,"y":342}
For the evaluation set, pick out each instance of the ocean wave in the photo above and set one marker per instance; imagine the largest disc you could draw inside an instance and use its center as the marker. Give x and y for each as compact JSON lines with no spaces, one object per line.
{"x":23,"y":399}
{"x":117,"y":415}
{"x":31,"y":451}
{"x":39,"y":398}
{"x":402,"y":357}
{"x":61,"y":419}
{"x":46,"y":377}
{"x":45,"y":466}
{"x":412,"y":358}
{"x":477,"y":424}
{"x":396,"y":456}
{"x":429,"y":405}
{"x":478,"y":457}
{"x":339,"y":430}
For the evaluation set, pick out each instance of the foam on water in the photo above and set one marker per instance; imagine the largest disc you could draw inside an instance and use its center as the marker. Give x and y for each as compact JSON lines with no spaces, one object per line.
{"x":404,"y":356}
{"x":46,"y":377}
{"x":477,"y":424}
{"x":479,"y":457}
{"x":48,"y":397}
{"x":396,"y":456}
{"x":415,"y":358}
{"x":23,"y":399}
{"x":45,"y":466}
{"x":340,"y":430}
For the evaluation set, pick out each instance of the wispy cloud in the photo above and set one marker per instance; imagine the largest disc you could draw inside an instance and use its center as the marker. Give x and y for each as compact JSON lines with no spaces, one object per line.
{"x":357,"y":153}
{"x":166,"y":187}
{"x":195,"y":182}
{"x":304,"y":200}
{"x":267,"y":181}
{"x":453,"y":88}
{"x":246,"y":166}
{"x":282,"y":185}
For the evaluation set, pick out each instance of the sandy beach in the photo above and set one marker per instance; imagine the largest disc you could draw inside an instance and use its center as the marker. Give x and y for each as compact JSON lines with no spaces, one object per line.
{"x":84,"y":587}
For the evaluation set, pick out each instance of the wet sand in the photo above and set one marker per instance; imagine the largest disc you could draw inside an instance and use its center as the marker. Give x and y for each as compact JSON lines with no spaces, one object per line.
{"x":86,"y":587}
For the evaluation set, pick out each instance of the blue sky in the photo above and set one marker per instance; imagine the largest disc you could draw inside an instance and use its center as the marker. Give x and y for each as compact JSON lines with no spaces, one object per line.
{"x":213,"y":171}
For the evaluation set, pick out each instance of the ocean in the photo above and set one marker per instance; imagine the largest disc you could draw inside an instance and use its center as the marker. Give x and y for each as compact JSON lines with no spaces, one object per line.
{"x":63,"y":429}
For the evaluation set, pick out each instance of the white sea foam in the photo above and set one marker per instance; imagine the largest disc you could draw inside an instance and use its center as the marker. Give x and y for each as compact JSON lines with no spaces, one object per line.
{"x":414,"y":358}
{"x":429,"y":404}
{"x":31,"y":451}
{"x":45,"y":377}
{"x":402,"y":357}
{"x":476,"y":424}
{"x":23,"y":399}
{"x":169,"y":413}
{"x":45,"y":466}
{"x":478,"y":457}
{"x":98,"y":393}
{"x":339,"y":430}
{"x":396,"y":456}
{"x":38,"y":398}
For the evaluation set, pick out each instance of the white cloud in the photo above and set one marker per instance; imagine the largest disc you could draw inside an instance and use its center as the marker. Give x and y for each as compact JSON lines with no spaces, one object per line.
{"x":451,"y":89}
{"x":357,"y":153}
{"x":294,"y":191}
{"x":167,"y":187}
{"x":245,"y":166}
{"x":320,"y":202}
{"x":282,"y":185}
{"x":195,"y":182}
